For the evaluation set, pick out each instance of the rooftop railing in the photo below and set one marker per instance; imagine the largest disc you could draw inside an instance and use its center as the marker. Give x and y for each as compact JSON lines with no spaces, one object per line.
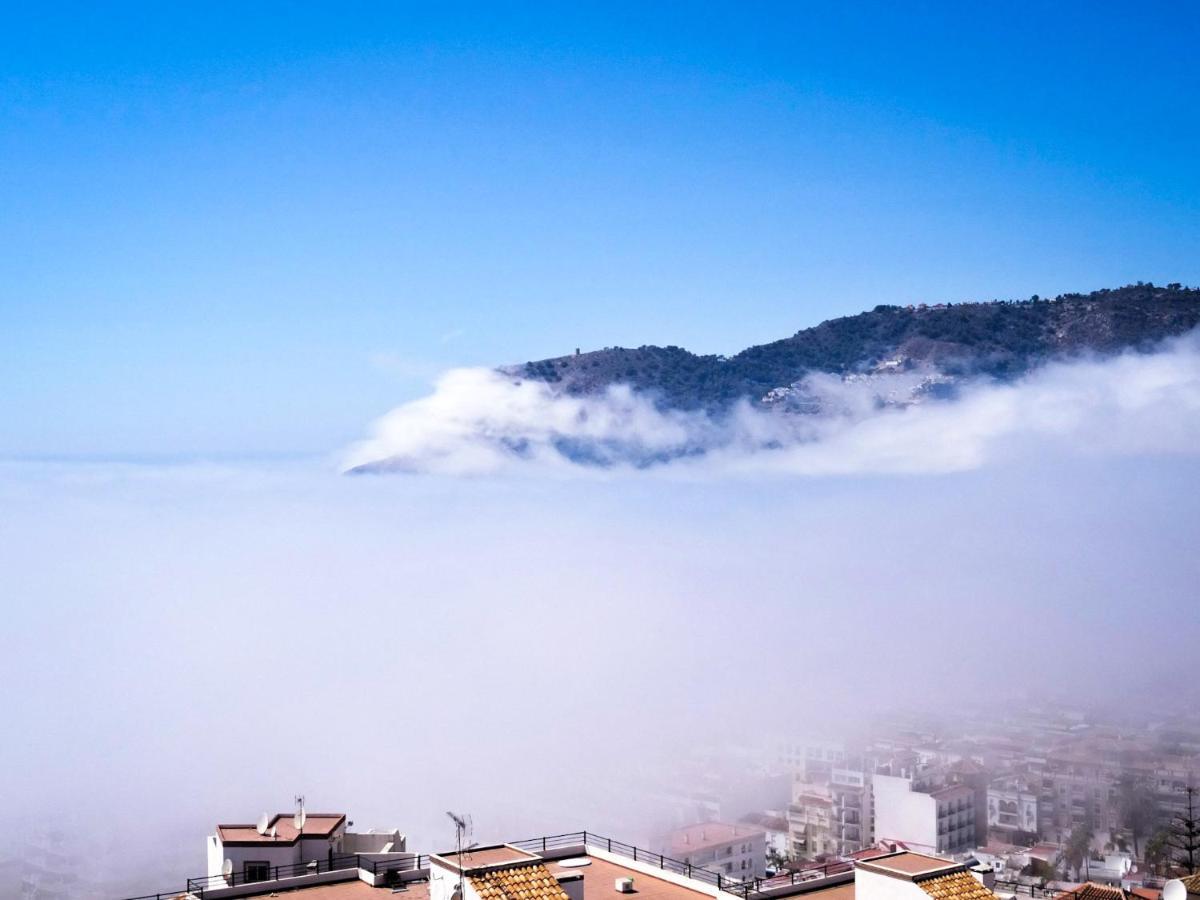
{"x":1017,"y":887}
{"x":198,"y":886}
{"x":393,"y":869}
{"x":730,"y":884}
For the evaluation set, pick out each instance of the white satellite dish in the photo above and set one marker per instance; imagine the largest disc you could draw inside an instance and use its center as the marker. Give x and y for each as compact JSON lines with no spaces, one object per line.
{"x":300,"y":818}
{"x":273,"y":831}
{"x":1174,"y":890}
{"x":261,"y":827}
{"x":227,"y":868}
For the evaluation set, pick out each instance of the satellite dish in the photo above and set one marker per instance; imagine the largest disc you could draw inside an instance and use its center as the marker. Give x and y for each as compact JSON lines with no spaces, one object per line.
{"x":1174,"y":890}
{"x":261,"y":827}
{"x":300,"y":819}
{"x":227,"y":868}
{"x":273,"y":830}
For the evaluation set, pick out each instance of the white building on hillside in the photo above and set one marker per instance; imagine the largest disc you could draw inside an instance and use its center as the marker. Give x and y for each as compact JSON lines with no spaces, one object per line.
{"x":936,"y":821}
{"x":739,"y":851}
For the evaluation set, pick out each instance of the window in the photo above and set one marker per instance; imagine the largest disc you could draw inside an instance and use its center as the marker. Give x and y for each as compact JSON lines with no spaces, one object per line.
{"x":256,"y":870}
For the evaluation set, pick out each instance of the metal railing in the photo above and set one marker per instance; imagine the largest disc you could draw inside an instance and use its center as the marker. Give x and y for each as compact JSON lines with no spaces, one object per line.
{"x":393,"y":869}
{"x":1017,"y":887}
{"x":743,"y":887}
{"x":272,"y":873}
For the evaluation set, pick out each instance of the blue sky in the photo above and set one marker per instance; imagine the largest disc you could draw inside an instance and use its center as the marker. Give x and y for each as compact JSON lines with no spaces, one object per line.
{"x":250,"y":232}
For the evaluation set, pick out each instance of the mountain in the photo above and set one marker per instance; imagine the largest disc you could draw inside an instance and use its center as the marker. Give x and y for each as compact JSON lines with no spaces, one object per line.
{"x":912,"y":350}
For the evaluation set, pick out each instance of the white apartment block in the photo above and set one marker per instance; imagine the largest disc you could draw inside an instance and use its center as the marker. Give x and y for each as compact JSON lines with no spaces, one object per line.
{"x":738,"y":851}
{"x":937,"y":821}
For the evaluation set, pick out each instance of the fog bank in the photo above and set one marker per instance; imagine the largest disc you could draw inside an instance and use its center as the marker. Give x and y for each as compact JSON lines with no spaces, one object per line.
{"x":479,"y":421}
{"x":198,"y":643}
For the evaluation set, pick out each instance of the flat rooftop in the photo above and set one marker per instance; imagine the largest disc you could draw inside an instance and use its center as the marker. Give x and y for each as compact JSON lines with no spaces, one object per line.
{"x":347,"y":890}
{"x":599,"y":875}
{"x":481,"y":857}
{"x":316,"y":825}
{"x":909,"y":865}
{"x":844,"y":891}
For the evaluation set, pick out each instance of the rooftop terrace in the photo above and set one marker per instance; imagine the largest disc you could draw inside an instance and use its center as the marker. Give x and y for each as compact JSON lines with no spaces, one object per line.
{"x":659,"y":877}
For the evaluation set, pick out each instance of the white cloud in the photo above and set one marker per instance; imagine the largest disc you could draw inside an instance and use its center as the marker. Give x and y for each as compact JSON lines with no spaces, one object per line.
{"x":478,"y":421}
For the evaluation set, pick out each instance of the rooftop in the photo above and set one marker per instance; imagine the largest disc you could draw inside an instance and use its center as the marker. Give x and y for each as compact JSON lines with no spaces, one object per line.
{"x":522,"y":870}
{"x":1090,"y":890}
{"x":911,"y":865}
{"x":315,"y":825}
{"x":599,"y":875}
{"x":480,"y":857}
{"x":347,"y":890}
{"x":524,"y":882}
{"x":955,"y":886}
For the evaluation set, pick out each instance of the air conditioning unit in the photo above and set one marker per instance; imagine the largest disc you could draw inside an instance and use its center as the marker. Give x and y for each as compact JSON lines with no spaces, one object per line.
{"x":624,"y":885}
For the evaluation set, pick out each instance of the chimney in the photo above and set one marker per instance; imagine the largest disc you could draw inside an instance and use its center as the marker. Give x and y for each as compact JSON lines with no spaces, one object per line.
{"x":985,"y":875}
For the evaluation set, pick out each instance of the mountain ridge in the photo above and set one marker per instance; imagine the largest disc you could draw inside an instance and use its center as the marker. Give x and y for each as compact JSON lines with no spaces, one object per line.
{"x":941,"y":343}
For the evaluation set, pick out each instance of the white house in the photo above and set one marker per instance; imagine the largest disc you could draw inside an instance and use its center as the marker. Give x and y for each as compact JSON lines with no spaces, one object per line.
{"x":284,"y":843}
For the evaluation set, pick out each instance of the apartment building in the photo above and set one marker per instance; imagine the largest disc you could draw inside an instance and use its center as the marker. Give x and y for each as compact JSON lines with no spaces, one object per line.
{"x":810,"y":818}
{"x":1011,"y":807}
{"x":735,"y":850}
{"x":853,"y":811}
{"x":940,"y":820}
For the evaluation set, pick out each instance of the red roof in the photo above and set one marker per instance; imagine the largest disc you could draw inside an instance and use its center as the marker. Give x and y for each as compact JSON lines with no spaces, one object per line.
{"x":316,"y":825}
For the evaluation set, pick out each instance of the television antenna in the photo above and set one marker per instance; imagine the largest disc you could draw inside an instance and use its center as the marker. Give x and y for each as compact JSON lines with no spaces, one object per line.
{"x":298,"y":820}
{"x":462,"y":825}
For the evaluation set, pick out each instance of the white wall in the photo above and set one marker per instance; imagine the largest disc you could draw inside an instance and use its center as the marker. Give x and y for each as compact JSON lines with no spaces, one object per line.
{"x":902,"y":815}
{"x":873,"y":886}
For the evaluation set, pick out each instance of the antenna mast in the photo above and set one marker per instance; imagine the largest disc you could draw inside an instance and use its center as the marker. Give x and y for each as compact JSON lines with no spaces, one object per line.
{"x":460,"y":825}
{"x":298,"y":821}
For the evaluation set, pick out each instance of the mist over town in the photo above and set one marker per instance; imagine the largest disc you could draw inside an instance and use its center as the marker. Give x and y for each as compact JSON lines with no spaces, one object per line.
{"x":550,"y":452}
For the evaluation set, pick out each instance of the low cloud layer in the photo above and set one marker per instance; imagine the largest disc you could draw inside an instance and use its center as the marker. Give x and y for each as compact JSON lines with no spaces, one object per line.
{"x":478,"y":421}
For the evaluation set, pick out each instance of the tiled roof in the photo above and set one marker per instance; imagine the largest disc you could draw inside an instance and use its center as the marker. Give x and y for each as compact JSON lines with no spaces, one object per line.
{"x":518,"y":883}
{"x":1192,"y":883}
{"x":955,"y":886}
{"x":1089,"y":890}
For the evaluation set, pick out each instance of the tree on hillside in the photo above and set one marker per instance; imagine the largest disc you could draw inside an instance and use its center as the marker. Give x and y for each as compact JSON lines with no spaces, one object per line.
{"x":1183,"y":835}
{"x":1136,"y":807}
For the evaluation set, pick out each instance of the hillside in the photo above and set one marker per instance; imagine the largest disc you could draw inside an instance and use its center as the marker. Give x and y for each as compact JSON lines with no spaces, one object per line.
{"x":941,"y":343}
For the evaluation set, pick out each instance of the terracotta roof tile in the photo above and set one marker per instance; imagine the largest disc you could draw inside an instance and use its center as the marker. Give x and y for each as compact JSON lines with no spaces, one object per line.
{"x":518,"y":883}
{"x":1089,"y":890}
{"x":955,"y":886}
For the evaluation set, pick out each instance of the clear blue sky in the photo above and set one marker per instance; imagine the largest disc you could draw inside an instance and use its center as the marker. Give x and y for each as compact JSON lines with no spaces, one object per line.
{"x":252,"y":228}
